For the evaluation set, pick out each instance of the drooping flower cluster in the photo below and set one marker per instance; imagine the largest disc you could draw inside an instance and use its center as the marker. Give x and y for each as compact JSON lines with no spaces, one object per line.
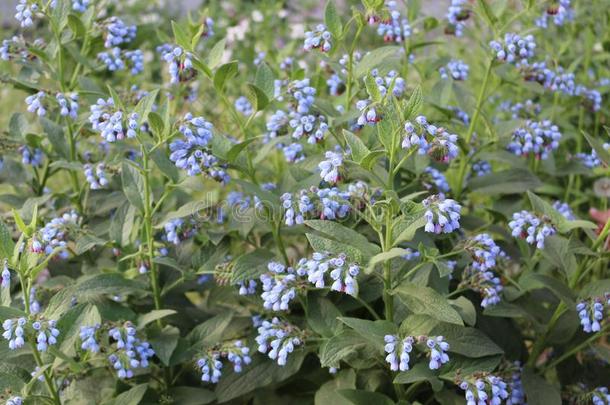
{"x":193,"y":153}
{"x":126,"y":351}
{"x":429,"y":139}
{"x":6,"y":275}
{"x":399,"y":351}
{"x":342,"y":273}
{"x":96,"y":178}
{"x":456,"y":69}
{"x":532,"y":228}
{"x":485,"y":282}
{"x":80,"y":5}
{"x":591,"y":313}
{"x":211,"y":366}
{"x":324,"y":203}
{"x":484,"y":252}
{"x":600,"y":396}
{"x":433,"y":178}
{"x":391,"y":81}
{"x":278,"y":339}
{"x":536,"y":137}
{"x":25,"y":13}
{"x":559,"y":11}
{"x":35,"y":103}
{"x":54,"y":235}
{"x":485,"y":390}
{"x":514,"y":49}
{"x":178,"y":230}
{"x":456,"y":15}
{"x":313,"y":127}
{"x":318,"y":39}
{"x":279,"y":286}
{"x":243,"y":106}
{"x":396,"y":28}
{"x":565,"y":210}
{"x":527,"y":109}
{"x":31,"y":156}
{"x":14,"y":332}
{"x":111,"y":122}
{"x":329,"y":168}
{"x":68,"y":106}
{"x":481,"y":168}
{"x":180,"y":63}
{"x":46,"y":334}
{"x":14,"y":401}
{"x":442,"y":214}
{"x":117,"y":32}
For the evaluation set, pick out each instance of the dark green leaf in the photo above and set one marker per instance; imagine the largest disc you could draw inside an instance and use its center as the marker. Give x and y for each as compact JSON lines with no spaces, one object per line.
{"x":424,"y":300}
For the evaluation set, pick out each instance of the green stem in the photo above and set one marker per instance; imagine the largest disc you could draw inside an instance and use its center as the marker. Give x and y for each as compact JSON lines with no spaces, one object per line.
{"x":573,"y":351}
{"x":278,"y":240}
{"x":471,"y":128}
{"x":539,"y":344}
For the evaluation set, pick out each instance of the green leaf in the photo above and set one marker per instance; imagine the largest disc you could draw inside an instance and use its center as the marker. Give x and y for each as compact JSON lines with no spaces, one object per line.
{"x":361,"y":397}
{"x":165,"y":165}
{"x":414,"y":104}
{"x":192,"y":395}
{"x":131,"y":397}
{"x":70,"y":324}
{"x":463,"y":366}
{"x":370,"y":159}
{"x":224,"y":73}
{"x":357,"y":148}
{"x":18,"y":126}
{"x":487,"y":13}
{"x":419,"y":372}
{"x":540,"y":206}
{"x":250,"y":265}
{"x":164,"y":342}
{"x":332,"y":20}
{"x":511,"y":181}
{"x":327,"y":393}
{"x":181,"y":36}
{"x":189,"y":209}
{"x":145,"y":105}
{"x":375,"y":59}
{"x":384,"y":257}
{"x":215,"y":55}
{"x":341,"y":347}
{"x":322,"y":244}
{"x":56,"y":136}
{"x":76,"y":25}
{"x":424,"y":300}
{"x":156,"y":123}
{"x":265,"y":79}
{"x":257,"y":97}
{"x":469,"y":342}
{"x":372,"y":89}
{"x":6,"y":242}
{"x":9,"y":312}
{"x":602,"y":153}
{"x":345,"y":235}
{"x":153,"y":315}
{"x":133,"y":185}
{"x":404,"y":230}
{"x":533,"y":281}
{"x":87,"y":241}
{"x":322,"y":316}
{"x":373,"y":331}
{"x":557,"y":251}
{"x":211,"y":331}
{"x":538,"y":391}
{"x":260,"y":373}
{"x":466,"y":310}
{"x":595,"y":288}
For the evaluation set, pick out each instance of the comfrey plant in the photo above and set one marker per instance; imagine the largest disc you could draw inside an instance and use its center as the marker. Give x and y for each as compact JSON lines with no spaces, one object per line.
{"x":361,"y":201}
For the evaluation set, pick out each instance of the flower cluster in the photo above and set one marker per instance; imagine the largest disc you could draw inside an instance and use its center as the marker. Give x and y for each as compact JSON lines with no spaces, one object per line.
{"x":456,"y":15}
{"x":54,"y":234}
{"x":6,"y":276}
{"x":14,"y":401}
{"x":35,"y":103}
{"x":243,"y":106}
{"x":31,"y":156}
{"x":560,"y":11}
{"x":127,"y":351}
{"x":324,"y":203}
{"x":433,"y":178}
{"x":193,"y":153}
{"x":314,"y":127}
{"x":391,"y":81}
{"x":457,"y":69}
{"x":342,"y":273}
{"x":180,"y":63}
{"x":329,"y":168}
{"x":68,"y":106}
{"x":565,"y":210}
{"x":88,"y":338}
{"x":211,"y":366}
{"x":600,"y":396}
{"x":14,"y":332}
{"x":537,"y":137}
{"x":514,"y":49}
{"x":178,"y":230}
{"x":442,"y":214}
{"x":80,"y":5}
{"x":484,"y":252}
{"x":399,"y":351}
{"x":430,"y":139}
{"x":110,"y":122}
{"x":46,"y":334}
{"x":279,"y":339}
{"x":481,"y":168}
{"x":96,"y":178}
{"x":591,"y":313}
{"x":527,"y":109}
{"x":318,"y":38}
{"x":396,"y":28}
{"x":279,"y":286}
{"x":25,"y":13}
{"x":532,"y":228}
{"x":484,"y":282}
{"x":490,"y":389}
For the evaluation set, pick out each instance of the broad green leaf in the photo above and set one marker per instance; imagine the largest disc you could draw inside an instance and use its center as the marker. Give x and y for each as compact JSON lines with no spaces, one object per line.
{"x":165,"y":165}
{"x":265,"y":79}
{"x":375,"y":59}
{"x":215,"y":55}
{"x":192,"y":208}
{"x":596,"y":288}
{"x":322,"y":244}
{"x":469,"y":342}
{"x":76,"y":25}
{"x":538,"y":391}
{"x":181,"y":35}
{"x":340,"y":347}
{"x":344,"y":234}
{"x":164,"y":342}
{"x":70,"y":324}
{"x":601,"y":152}
{"x":485,"y":10}
{"x":86,"y":242}
{"x":419,"y":372}
{"x":414,"y":104}
{"x":511,"y":181}
{"x":132,"y":396}
{"x":192,"y":395}
{"x":250,"y":265}
{"x":357,"y":148}
{"x":322,"y":316}
{"x":145,"y":105}
{"x":372,"y":89}
{"x":404,"y":230}
{"x":152,"y":316}
{"x":333,"y":20}
{"x":224,"y":73}
{"x":533,"y":281}
{"x":6,"y":242}
{"x":18,"y":126}
{"x":327,"y":393}
{"x":374,"y":331}
{"x":424,"y":300}
{"x":133,"y":186}
{"x":557,"y":251}
{"x":463,"y":366}
{"x":361,"y":397}
{"x":211,"y":331}
{"x":56,"y":136}
{"x":257,"y":97}
{"x":384,"y":257}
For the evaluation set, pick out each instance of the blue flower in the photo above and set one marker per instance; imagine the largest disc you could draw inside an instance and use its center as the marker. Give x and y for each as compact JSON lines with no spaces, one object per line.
{"x":437,"y":180}
{"x":97,"y":179}
{"x":318,"y":38}
{"x":314,"y":127}
{"x":484,"y":252}
{"x":68,"y":108}
{"x":279,"y":286}
{"x":438,"y":356}
{"x":481,"y":168}
{"x":303,"y":94}
{"x":278,"y":339}
{"x":591,"y":314}
{"x":118,"y":33}
{"x":247,"y":287}
{"x":491,"y":389}
{"x":31,"y":156}
{"x":178,"y":230}
{"x":531,"y":227}
{"x":243,"y":105}
{"x":456,"y":14}
{"x":537,"y":137}
{"x":46,"y":334}
{"x":80,"y":5}
{"x":25,"y":13}
{"x":600,"y":396}
{"x":35,"y":103}
{"x":14,"y":332}
{"x":88,"y":337}
{"x":457,"y":69}
{"x":514,"y":49}
{"x":442,"y":214}
{"x":210,"y":367}
{"x":430,"y":139}
{"x":129,"y":352}
{"x":329,"y":168}
{"x":6,"y":276}
{"x":560,"y":11}
{"x":180,"y":63}
{"x":396,"y":28}
{"x":398,"y":351}
{"x":14,"y":401}
{"x":564,"y":209}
